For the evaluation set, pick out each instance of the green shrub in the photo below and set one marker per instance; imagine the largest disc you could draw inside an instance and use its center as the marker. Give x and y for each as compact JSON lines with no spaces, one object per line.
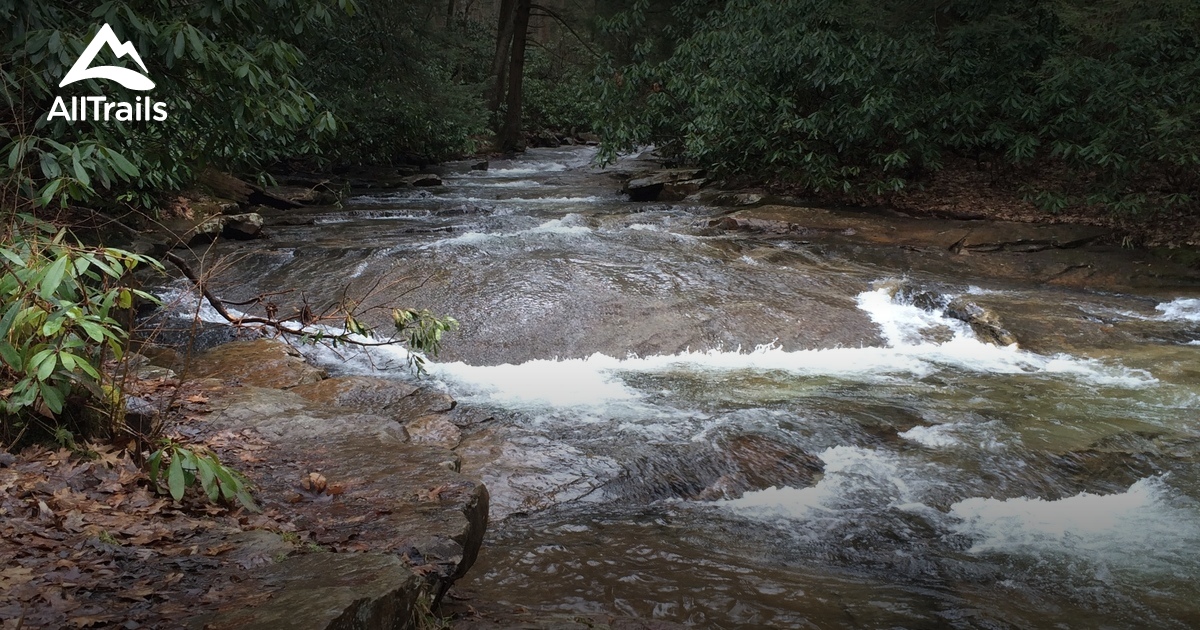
{"x":866,"y":97}
{"x":58,"y":326}
{"x":176,"y":467}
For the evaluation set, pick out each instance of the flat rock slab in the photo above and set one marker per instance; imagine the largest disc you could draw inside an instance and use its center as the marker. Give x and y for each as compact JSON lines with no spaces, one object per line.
{"x":1066,"y":255}
{"x":898,"y":230}
{"x":398,"y":522}
{"x":392,"y":495}
{"x":362,"y":591}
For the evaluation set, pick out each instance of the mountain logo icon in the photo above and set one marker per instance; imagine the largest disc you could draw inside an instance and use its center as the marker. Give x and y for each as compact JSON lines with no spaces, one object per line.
{"x":82,"y":71}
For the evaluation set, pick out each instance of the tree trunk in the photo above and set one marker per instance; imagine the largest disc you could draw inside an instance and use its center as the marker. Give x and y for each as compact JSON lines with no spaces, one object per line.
{"x":504,"y":35}
{"x":450,"y":15}
{"x":511,"y":138}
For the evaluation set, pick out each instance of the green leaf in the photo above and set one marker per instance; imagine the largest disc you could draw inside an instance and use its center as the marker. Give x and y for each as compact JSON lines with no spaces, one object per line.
{"x":122,"y":164}
{"x":53,"y":277}
{"x":175,"y":478}
{"x":53,"y":397}
{"x":208,"y":478}
{"x":153,"y":464}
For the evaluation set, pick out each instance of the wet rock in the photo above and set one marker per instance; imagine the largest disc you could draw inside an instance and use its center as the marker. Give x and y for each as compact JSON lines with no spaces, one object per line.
{"x":423,"y":180}
{"x":261,"y":363}
{"x":325,"y":591}
{"x":227,"y":186}
{"x":397,"y":497}
{"x":983,"y":322}
{"x":725,"y":470}
{"x":763,"y":462}
{"x":375,"y":395}
{"x":588,"y":138}
{"x":665,"y":185}
{"x":242,"y":227}
{"x":187,"y":337}
{"x":480,"y":166}
{"x":436,"y":430}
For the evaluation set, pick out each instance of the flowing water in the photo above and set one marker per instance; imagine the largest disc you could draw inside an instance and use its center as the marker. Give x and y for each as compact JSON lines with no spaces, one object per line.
{"x":734,"y":432}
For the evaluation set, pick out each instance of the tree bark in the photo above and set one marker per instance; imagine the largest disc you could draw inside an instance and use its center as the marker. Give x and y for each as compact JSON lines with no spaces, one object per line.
{"x":504,"y":35}
{"x":511,"y":138}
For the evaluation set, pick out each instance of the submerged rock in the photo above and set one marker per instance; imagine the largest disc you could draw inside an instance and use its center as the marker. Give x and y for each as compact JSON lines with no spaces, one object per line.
{"x":261,"y":363}
{"x":983,"y":322}
{"x":724,"y":470}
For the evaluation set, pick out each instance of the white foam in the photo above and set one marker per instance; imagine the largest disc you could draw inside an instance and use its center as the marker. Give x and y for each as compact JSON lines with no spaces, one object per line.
{"x":600,"y":380}
{"x":476,"y":183}
{"x":531,"y":200}
{"x":1144,"y":527}
{"x":855,"y":479}
{"x":556,"y":227}
{"x":1181,"y":309}
{"x":936,"y":436}
{"x":979,"y":435}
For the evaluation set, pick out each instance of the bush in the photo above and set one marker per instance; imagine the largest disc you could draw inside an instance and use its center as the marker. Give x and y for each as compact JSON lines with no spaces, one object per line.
{"x":227,"y":72}
{"x":58,"y":306}
{"x":864,"y":98}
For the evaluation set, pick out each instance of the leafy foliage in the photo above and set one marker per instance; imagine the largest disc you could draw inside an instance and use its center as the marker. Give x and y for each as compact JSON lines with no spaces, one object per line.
{"x":58,"y":306}
{"x":404,"y":88}
{"x":226,"y":70}
{"x":196,"y":467}
{"x":861,"y":97}
{"x":560,"y":93}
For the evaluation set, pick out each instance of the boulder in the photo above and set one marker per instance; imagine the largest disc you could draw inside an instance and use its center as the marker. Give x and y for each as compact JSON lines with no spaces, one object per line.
{"x":983,"y":322}
{"x":242,"y":227}
{"x":186,"y":232}
{"x":651,"y":185}
{"x":480,"y":166}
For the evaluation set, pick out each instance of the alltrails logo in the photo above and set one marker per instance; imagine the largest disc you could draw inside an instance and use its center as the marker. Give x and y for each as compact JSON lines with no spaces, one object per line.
{"x":99,"y":107}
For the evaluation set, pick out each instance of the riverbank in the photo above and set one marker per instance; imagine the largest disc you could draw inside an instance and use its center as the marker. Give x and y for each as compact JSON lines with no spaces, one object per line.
{"x":965,"y":190}
{"x":364,"y":518}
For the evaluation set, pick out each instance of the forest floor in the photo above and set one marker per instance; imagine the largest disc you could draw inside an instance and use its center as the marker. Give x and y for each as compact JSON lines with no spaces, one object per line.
{"x":86,"y":540}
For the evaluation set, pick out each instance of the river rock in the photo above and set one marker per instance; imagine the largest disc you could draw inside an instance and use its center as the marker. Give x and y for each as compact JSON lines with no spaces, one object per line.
{"x":983,"y":322}
{"x":480,"y":166}
{"x":375,"y":395}
{"x":367,"y":591}
{"x":242,"y":227}
{"x":763,"y":462}
{"x":651,"y":186}
{"x":260,"y":363}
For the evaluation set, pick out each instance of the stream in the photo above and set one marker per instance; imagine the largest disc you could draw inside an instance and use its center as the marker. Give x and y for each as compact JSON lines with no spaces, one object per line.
{"x":733,"y":431}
